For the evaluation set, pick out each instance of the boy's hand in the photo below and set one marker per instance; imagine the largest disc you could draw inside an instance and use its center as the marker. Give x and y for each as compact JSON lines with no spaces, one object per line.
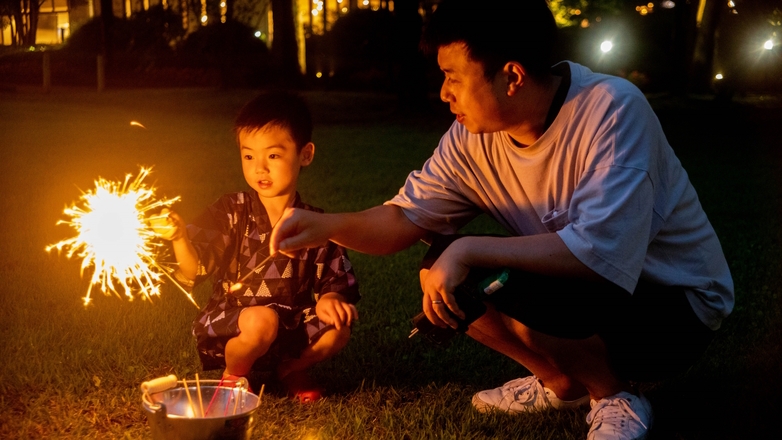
{"x":168,"y":225}
{"x":333,"y":310}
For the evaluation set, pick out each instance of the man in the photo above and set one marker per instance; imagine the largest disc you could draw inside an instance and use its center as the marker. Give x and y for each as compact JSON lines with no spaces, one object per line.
{"x":617,"y":274}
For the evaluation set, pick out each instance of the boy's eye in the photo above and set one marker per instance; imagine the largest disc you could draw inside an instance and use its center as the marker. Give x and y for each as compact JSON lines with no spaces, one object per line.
{"x":248,"y":157}
{"x":274,"y":156}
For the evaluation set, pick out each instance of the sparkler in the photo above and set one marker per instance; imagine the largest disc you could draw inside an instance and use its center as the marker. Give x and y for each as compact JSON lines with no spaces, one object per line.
{"x":238,"y":284}
{"x":115,"y":239}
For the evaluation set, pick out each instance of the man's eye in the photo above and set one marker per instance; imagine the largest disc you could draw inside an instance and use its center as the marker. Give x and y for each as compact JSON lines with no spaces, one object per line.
{"x":274,"y":156}
{"x":248,"y":157}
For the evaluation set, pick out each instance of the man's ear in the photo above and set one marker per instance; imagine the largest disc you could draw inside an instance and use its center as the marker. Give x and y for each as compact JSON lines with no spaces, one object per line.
{"x":307,"y":153}
{"x":515,"y":75}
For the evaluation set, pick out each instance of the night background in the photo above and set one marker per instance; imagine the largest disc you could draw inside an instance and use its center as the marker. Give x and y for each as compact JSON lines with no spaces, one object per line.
{"x":76,"y":74}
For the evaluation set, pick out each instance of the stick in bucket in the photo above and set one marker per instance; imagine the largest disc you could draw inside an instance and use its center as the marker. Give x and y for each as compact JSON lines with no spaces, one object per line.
{"x":189,"y":400}
{"x":200,"y":400}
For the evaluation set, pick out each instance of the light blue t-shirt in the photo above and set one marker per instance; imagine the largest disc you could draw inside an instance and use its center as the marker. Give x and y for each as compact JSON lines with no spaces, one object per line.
{"x":603,"y":177}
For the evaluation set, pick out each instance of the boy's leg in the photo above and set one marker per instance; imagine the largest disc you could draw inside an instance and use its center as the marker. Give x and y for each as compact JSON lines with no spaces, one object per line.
{"x":257,"y":331}
{"x":327,"y":342}
{"x":323,"y":342}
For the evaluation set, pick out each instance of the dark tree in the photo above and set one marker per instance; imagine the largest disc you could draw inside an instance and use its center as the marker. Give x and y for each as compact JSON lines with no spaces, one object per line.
{"x":107,"y":24}
{"x":23,"y":33}
{"x":285,"y":51}
{"x":411,"y":65}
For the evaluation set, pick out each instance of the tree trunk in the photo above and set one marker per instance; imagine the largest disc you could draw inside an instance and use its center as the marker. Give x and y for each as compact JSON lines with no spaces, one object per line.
{"x":411,"y":77}
{"x":107,"y":25}
{"x":35,"y":8}
{"x":285,"y":50}
{"x":229,"y":10}
{"x":703,"y":51}
{"x":681,"y":44}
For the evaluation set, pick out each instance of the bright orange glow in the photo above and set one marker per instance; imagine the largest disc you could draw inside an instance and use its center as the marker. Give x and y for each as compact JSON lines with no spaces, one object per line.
{"x":114,"y":238}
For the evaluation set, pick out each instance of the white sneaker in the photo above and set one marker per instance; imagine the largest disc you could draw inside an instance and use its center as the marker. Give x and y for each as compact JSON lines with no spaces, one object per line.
{"x":523,"y":395}
{"x":622,"y":416}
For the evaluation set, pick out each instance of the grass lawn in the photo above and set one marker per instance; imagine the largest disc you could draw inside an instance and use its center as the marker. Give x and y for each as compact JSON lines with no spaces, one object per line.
{"x":70,"y":371}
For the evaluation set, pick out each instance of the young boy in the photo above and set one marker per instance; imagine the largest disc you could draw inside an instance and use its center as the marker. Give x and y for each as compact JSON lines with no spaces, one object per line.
{"x":289,"y":313}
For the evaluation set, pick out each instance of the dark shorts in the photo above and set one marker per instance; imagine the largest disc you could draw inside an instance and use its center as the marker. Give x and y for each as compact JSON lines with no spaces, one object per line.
{"x":652,"y":334}
{"x":212,"y":337}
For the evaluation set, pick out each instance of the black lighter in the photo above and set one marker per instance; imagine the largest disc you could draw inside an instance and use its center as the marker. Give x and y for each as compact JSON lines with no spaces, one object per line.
{"x":469,"y":296}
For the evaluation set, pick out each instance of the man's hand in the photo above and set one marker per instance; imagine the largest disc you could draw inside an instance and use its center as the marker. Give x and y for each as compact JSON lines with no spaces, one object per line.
{"x":439,"y":283}
{"x":333,"y":310}
{"x":298,"y":229}
{"x":168,"y":225}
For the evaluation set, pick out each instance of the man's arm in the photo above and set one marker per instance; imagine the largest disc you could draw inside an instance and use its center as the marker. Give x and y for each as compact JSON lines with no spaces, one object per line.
{"x":544,"y":254}
{"x":380,"y":230}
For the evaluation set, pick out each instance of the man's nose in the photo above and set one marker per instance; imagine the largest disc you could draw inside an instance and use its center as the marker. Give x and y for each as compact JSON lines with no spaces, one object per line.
{"x":445,"y":94}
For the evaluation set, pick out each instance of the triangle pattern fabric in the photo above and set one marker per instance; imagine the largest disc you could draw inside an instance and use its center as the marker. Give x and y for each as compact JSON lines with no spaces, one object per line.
{"x":263,"y":290}
{"x":288,"y":270}
{"x":334,"y":265}
{"x":272,"y":272}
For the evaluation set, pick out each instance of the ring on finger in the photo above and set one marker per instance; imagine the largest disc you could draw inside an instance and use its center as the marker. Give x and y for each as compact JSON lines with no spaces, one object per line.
{"x":437,"y":301}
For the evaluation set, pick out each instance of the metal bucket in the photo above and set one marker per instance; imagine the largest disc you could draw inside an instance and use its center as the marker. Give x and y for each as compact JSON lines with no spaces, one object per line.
{"x":229,"y":411}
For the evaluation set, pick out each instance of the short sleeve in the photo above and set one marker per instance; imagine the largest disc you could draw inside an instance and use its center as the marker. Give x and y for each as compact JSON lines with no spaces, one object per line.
{"x":612,"y":210}
{"x":334,"y":273}
{"x":210,"y":234}
{"x":434,"y":197}
{"x":610,"y":220}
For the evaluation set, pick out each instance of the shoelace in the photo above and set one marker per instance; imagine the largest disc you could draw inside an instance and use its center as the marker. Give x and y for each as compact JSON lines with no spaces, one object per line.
{"x":523,"y":391}
{"x":612,"y":411}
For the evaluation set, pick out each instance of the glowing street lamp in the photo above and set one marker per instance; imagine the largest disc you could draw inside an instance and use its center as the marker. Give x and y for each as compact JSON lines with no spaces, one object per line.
{"x":606,"y":46}
{"x":718,"y":76}
{"x":768,"y":45}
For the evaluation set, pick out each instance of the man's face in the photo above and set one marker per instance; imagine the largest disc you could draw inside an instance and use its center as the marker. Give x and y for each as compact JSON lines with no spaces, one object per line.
{"x":474,"y":100}
{"x":271,"y":162}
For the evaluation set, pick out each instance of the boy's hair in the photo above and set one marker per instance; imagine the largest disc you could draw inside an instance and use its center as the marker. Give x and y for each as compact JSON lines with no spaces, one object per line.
{"x":496,"y":32}
{"x":279,"y":109}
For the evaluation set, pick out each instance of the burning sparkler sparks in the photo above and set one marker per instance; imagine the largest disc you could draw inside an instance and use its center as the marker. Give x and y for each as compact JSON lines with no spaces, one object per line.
{"x":114,"y":237}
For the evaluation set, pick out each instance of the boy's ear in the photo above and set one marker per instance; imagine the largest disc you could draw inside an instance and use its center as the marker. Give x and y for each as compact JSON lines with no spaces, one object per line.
{"x":307,"y":153}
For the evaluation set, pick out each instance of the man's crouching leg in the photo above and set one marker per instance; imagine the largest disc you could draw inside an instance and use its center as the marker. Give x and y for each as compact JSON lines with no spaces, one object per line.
{"x":547,"y":387}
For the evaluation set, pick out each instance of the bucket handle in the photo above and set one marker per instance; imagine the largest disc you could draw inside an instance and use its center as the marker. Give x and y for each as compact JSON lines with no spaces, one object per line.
{"x":157,"y":385}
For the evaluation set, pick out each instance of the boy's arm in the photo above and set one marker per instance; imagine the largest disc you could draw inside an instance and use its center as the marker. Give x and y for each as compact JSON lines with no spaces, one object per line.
{"x":170,"y":226}
{"x":380,"y":230}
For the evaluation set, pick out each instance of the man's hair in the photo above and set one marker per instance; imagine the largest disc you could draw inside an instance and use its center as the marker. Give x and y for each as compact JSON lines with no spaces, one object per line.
{"x":279,"y":109}
{"x":495,"y":32}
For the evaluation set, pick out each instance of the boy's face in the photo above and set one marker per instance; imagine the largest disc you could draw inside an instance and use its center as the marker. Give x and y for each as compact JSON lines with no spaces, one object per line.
{"x":271,"y":162}
{"x":475,"y":101}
